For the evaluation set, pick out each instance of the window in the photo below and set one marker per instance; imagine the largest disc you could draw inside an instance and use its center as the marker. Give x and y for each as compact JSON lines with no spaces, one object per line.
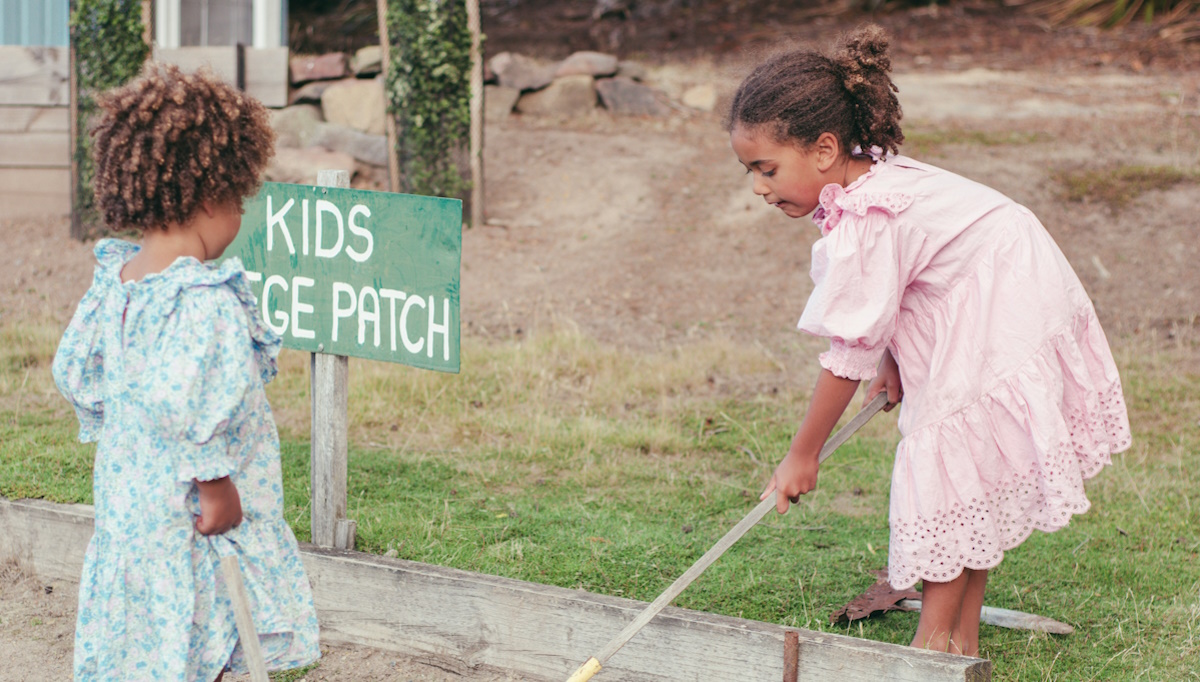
{"x":36,"y":23}
{"x":213,"y":23}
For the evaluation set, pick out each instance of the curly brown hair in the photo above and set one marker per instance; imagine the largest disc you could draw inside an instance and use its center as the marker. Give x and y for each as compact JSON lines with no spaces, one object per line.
{"x":801,"y":94}
{"x":169,"y":140}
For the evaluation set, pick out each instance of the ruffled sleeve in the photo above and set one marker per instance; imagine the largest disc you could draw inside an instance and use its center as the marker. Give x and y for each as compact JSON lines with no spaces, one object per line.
{"x":78,"y":366}
{"x":860,"y":269}
{"x":195,"y":384}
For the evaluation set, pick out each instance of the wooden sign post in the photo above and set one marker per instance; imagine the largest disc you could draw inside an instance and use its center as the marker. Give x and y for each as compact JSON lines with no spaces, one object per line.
{"x":340,"y":272}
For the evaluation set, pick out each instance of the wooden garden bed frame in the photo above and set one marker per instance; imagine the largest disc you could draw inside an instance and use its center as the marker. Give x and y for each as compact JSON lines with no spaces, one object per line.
{"x":462,"y":621}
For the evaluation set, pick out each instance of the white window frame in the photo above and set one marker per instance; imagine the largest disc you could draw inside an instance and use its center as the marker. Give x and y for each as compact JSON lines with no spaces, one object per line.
{"x":267,"y":28}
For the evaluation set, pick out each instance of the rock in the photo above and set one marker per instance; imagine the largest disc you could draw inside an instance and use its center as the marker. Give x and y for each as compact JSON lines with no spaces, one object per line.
{"x":294,"y":126}
{"x":567,"y":96}
{"x":625,"y":96}
{"x":367,"y":62}
{"x":499,"y":102}
{"x":367,"y":148}
{"x":521,"y":72}
{"x":309,"y":93}
{"x":631,"y":70}
{"x":587,"y":63}
{"x":300,"y":166}
{"x":318,"y":67}
{"x":357,"y":104}
{"x":702,"y":97}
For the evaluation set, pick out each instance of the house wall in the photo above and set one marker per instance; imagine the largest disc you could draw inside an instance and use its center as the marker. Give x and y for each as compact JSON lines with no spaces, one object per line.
{"x":35,"y":142}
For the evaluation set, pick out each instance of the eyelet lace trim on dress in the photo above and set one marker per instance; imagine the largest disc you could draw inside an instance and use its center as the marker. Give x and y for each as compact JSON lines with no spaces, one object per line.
{"x":835,"y":200}
{"x":975,"y":534}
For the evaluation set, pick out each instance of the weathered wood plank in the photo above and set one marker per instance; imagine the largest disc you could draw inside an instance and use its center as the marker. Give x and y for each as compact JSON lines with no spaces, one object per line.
{"x":35,"y":150}
{"x":266,"y":75}
{"x":28,"y":192}
{"x":329,"y":386}
{"x":19,"y":119}
{"x":542,"y":632}
{"x":34,"y":76}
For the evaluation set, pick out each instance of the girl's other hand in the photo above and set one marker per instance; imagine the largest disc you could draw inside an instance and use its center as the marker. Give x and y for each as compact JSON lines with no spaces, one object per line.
{"x":220,"y":506}
{"x":887,"y":379}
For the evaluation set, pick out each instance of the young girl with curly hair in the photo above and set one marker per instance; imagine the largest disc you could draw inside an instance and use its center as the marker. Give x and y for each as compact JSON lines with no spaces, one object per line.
{"x":165,"y":362}
{"x":949,"y":296}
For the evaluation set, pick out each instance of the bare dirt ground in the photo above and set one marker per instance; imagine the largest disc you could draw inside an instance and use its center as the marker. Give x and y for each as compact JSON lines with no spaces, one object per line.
{"x":645,"y":234}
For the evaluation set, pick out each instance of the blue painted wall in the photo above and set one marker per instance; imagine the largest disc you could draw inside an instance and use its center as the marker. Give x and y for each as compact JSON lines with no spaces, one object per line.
{"x":34,"y":22}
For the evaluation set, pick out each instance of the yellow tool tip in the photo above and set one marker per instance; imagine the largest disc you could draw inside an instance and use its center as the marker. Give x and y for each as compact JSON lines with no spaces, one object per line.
{"x":585,"y":671}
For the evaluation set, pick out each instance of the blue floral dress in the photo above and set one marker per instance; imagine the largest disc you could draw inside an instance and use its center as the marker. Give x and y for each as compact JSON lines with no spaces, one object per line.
{"x":167,"y":374}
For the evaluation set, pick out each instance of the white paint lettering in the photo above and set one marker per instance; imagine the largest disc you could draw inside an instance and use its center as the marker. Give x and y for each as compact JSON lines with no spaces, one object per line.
{"x":364,"y":317}
{"x":357,"y":256}
{"x":274,"y":219}
{"x":443,"y":328}
{"x":339,"y":312}
{"x":408,"y":343}
{"x":282,"y":317}
{"x":299,"y":308}
{"x":392,"y":295}
{"x":324,"y":207}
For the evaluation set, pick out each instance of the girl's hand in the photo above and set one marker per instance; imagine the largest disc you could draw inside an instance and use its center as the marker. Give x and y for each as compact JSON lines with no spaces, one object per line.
{"x":795,"y":475}
{"x":887,"y":379}
{"x":220,"y":506}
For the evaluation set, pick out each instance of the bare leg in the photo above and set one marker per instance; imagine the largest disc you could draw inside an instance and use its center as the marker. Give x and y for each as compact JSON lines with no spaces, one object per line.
{"x":941,"y":605}
{"x":967,"y":634}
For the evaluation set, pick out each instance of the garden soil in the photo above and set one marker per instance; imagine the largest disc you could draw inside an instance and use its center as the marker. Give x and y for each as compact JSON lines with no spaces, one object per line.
{"x":644,"y":233}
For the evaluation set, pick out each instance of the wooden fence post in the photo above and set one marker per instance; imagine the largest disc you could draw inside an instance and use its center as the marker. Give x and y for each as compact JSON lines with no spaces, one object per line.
{"x":330,"y":402}
{"x":476,"y":106}
{"x":385,"y":53}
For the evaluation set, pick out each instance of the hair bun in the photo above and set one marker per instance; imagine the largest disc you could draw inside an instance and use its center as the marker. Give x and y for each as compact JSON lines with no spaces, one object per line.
{"x":863,"y":54}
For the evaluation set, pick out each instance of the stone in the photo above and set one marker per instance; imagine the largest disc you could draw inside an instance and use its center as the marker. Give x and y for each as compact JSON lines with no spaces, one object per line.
{"x":367,"y":62}
{"x":294,"y":126}
{"x":322,"y":67}
{"x":523,"y":73}
{"x":300,"y":166}
{"x":567,"y":96}
{"x":364,"y":147}
{"x":631,"y":70}
{"x":355,"y":103}
{"x":587,"y":63}
{"x":499,"y":102}
{"x":309,"y":93}
{"x":702,"y":97}
{"x":628,"y":97}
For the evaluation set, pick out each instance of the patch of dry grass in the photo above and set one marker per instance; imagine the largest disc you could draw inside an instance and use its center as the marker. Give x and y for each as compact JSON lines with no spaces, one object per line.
{"x":1118,"y":186}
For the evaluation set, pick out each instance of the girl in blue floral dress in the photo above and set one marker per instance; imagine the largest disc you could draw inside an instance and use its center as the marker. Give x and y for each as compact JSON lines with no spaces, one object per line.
{"x":165,"y":362}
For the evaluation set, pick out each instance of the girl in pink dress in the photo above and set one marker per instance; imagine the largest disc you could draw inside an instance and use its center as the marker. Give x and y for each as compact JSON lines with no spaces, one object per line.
{"x":947,"y":295}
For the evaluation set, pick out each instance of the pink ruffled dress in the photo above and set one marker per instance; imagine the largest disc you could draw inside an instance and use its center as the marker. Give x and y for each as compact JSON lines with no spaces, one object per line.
{"x":1011,"y":395}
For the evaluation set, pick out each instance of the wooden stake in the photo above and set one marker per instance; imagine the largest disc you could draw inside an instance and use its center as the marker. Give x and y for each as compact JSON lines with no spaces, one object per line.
{"x":148,"y":22}
{"x":385,"y":48}
{"x":791,"y":656}
{"x":330,"y":401}
{"x":77,"y":231}
{"x":251,"y":648}
{"x":473,"y":24}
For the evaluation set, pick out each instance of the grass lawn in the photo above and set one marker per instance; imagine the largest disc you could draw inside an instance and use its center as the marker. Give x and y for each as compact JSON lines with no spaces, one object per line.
{"x":561,"y":461}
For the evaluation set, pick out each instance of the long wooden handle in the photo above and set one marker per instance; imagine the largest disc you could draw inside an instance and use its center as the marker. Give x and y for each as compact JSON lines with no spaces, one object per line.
{"x":593,"y":665}
{"x":251,"y":650}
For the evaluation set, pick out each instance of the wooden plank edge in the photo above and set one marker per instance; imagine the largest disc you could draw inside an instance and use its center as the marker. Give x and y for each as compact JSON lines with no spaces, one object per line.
{"x":53,"y":537}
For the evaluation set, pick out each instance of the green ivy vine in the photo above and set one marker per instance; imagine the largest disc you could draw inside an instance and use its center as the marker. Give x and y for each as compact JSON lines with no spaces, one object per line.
{"x":429,"y":93}
{"x":109,"y":52}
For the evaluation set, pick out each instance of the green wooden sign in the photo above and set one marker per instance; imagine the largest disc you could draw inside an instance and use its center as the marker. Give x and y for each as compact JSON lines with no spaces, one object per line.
{"x":352,"y":272}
